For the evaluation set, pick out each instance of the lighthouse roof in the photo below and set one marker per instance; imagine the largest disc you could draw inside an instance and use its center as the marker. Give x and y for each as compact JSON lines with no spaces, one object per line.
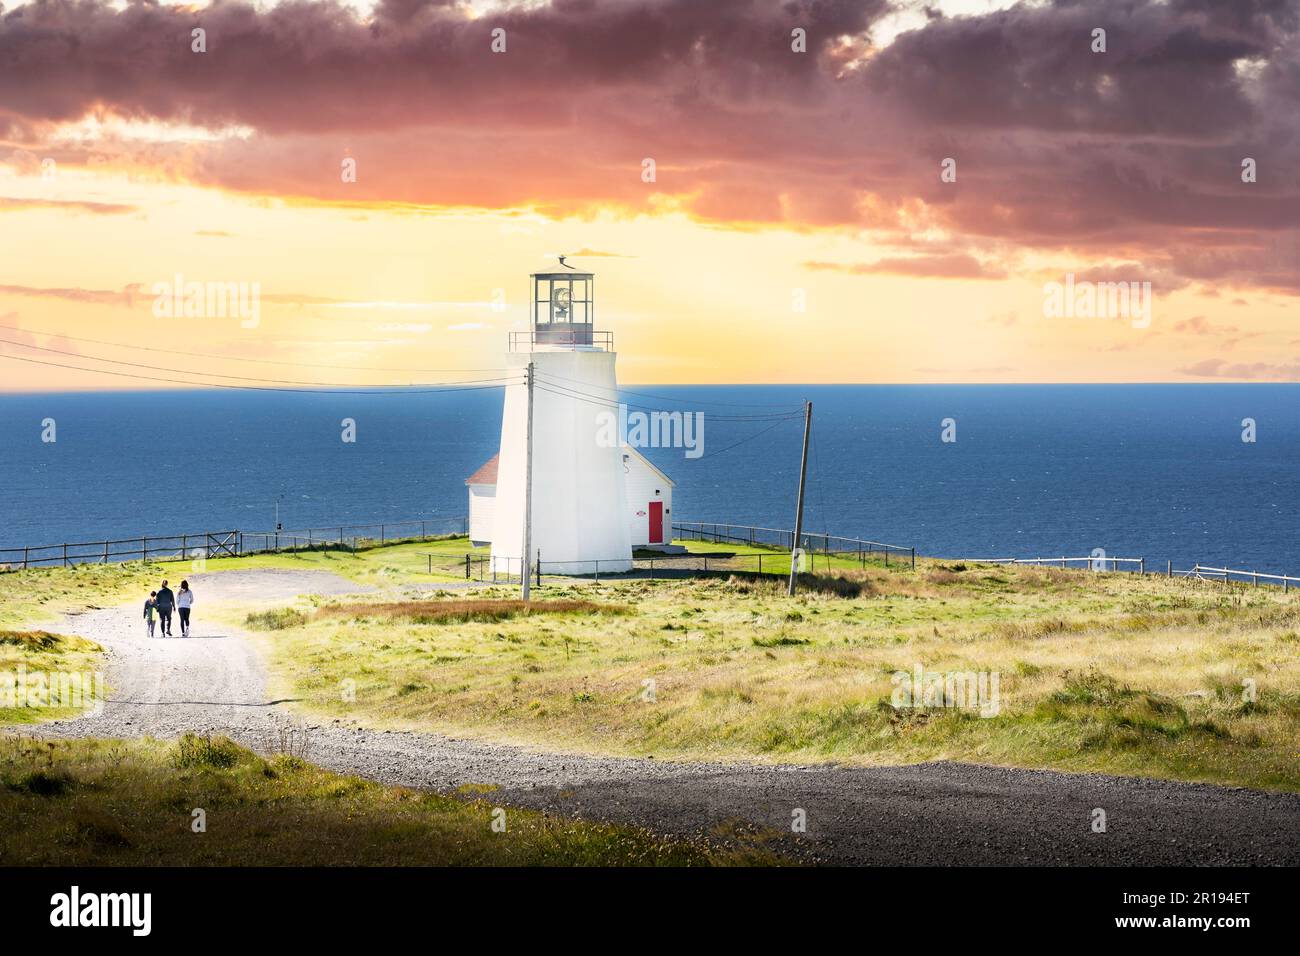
{"x":487,"y":473}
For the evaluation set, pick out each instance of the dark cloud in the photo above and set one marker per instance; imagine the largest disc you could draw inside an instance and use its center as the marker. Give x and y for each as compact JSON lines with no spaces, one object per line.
{"x":1130,"y":154}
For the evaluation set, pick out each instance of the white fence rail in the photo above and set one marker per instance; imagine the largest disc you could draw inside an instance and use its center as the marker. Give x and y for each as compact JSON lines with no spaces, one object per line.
{"x":1205,"y":573}
{"x":1201,"y":572}
{"x":1097,"y":563}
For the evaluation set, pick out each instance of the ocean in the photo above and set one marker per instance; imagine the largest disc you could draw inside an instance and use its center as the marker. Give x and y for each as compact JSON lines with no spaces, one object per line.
{"x":1154,"y":471}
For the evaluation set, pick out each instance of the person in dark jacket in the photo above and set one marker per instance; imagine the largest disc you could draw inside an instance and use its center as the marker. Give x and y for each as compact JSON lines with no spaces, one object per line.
{"x":165,"y":601}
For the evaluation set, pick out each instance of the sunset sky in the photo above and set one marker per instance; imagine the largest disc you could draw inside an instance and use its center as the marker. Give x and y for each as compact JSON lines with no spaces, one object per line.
{"x":797,"y":228}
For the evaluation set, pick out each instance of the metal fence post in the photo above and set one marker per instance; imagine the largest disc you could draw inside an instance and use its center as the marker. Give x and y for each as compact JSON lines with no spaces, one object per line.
{"x":144,"y":552}
{"x":913,"y":557}
{"x":539,"y":567}
{"x":65,"y":554}
{"x":106,"y":552}
{"x":597,"y":571}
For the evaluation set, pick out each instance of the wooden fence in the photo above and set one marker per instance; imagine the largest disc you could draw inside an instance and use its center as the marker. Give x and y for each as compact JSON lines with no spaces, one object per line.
{"x":202,"y":544}
{"x":217,"y":544}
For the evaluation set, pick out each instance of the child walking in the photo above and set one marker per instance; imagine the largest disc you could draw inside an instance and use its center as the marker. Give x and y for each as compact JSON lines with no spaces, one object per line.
{"x":150,"y":604}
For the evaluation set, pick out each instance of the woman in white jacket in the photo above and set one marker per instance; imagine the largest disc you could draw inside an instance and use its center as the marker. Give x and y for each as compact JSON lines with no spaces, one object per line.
{"x":184,"y":601}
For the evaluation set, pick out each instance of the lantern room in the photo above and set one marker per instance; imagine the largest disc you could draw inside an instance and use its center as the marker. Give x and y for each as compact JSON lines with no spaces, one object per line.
{"x":564,"y":311}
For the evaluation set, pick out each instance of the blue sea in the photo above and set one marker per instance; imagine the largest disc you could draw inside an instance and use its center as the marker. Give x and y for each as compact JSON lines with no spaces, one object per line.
{"x":1155,"y":471}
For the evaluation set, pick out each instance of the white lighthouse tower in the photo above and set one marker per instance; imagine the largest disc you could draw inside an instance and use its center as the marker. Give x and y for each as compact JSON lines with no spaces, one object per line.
{"x":579,"y":496}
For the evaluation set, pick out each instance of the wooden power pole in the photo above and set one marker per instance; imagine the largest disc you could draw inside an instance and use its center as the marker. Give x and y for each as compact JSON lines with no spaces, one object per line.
{"x":528,"y":495}
{"x":798,"y":513}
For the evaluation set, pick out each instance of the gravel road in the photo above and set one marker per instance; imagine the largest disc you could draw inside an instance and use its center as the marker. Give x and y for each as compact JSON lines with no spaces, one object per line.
{"x":936,"y":813}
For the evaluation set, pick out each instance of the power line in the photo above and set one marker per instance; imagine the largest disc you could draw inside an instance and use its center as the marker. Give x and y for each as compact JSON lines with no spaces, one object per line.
{"x":261,"y":388}
{"x":240,"y":358}
{"x":568,"y":392}
{"x":714,"y":454}
{"x":668,"y":398}
{"x":242,"y":378}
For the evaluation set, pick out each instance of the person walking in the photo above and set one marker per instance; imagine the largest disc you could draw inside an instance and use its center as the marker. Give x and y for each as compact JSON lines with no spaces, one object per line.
{"x":184,"y":601}
{"x":150,"y":605}
{"x":165,"y":601}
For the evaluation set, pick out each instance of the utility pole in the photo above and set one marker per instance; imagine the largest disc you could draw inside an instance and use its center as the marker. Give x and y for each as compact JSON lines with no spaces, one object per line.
{"x":528,"y":494}
{"x":798,"y":514}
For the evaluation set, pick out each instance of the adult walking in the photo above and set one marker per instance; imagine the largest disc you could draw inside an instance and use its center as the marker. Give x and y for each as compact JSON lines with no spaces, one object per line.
{"x":184,"y":601}
{"x":165,"y":601}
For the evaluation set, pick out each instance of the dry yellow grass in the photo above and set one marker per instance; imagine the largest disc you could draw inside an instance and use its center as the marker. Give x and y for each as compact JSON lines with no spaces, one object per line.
{"x":1106,"y":672}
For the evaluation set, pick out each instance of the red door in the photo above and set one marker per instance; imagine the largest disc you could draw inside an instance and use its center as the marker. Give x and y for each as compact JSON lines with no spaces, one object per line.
{"x":656,"y":522}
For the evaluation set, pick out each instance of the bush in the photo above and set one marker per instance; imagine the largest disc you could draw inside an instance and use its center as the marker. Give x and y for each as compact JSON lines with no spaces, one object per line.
{"x":276,"y":620}
{"x":195,"y":751}
{"x":45,"y":783}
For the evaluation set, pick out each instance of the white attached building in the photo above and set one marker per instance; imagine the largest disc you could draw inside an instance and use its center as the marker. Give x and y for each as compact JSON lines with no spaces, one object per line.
{"x":592,"y":500}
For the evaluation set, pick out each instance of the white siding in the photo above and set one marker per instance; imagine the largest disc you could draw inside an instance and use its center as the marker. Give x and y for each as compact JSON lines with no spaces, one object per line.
{"x":642,"y":483}
{"x":482,"y":511}
{"x":578,"y":495}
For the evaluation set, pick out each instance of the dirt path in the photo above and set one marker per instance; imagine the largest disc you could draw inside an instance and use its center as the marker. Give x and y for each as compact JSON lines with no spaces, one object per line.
{"x":939,"y":813}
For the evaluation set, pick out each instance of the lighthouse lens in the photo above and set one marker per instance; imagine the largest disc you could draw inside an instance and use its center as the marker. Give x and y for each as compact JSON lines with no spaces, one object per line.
{"x":560,"y":300}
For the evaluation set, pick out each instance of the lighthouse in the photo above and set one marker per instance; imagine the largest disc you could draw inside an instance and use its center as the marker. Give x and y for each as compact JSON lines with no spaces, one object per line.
{"x":579,"y":496}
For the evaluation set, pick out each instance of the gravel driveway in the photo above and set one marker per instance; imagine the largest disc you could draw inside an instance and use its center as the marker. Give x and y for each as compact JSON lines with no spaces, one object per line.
{"x":937,"y":813}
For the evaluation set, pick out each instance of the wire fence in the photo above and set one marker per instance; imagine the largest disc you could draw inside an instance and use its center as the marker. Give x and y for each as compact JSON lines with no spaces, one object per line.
{"x":783,"y":538}
{"x":355,"y":537}
{"x":503,"y":570}
{"x":821,"y":552}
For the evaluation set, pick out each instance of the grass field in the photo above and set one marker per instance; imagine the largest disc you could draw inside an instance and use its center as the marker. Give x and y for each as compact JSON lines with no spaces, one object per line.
{"x":1109,"y":672}
{"x":108,"y":803}
{"x":1104,"y":672}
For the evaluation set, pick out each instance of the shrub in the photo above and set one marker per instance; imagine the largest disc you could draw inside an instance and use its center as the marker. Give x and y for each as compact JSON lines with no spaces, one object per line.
{"x":276,"y":620}
{"x":195,"y":751}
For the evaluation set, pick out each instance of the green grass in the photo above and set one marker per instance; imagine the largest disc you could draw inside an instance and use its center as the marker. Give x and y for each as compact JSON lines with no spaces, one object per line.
{"x":37,"y":659}
{"x":1106,"y":672}
{"x":41,"y":595}
{"x":1098,"y":672}
{"x":132,"y":803}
